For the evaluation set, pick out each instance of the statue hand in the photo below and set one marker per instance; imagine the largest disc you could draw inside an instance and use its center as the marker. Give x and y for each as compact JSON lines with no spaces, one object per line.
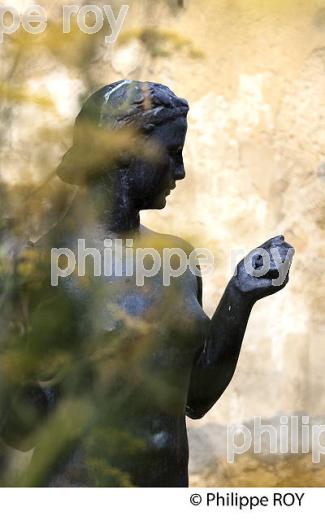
{"x":265,"y":270}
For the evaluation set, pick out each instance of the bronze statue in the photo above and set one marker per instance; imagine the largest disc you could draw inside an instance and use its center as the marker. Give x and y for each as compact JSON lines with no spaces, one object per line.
{"x":132,"y":361}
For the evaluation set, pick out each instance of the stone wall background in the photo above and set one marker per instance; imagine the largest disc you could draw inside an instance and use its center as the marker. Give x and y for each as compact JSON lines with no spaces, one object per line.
{"x":254,"y":74}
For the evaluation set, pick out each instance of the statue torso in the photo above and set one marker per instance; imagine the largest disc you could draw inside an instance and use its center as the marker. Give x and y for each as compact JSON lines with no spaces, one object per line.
{"x":137,"y":344}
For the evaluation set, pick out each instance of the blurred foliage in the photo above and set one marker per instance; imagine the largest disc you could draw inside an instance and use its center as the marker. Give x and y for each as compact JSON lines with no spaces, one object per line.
{"x":252,"y":470}
{"x":161,"y":42}
{"x":57,"y":383}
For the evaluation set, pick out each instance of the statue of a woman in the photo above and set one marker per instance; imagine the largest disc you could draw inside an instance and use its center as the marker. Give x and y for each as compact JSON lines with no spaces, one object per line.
{"x":132,"y":359}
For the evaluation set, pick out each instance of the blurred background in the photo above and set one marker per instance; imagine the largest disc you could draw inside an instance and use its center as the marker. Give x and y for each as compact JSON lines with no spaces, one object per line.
{"x":254,"y":75}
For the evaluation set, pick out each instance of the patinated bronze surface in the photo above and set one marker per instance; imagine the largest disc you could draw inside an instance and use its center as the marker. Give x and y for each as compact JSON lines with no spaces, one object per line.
{"x":140,"y":358}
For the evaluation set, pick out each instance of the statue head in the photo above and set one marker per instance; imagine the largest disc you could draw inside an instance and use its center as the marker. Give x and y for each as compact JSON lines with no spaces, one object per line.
{"x":114,"y":128}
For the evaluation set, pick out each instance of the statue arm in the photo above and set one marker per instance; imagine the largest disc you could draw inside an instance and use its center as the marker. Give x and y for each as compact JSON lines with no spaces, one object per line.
{"x":216,"y":363}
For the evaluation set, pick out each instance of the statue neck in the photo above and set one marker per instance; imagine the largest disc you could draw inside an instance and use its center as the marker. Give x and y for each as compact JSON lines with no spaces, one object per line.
{"x":110,"y":210}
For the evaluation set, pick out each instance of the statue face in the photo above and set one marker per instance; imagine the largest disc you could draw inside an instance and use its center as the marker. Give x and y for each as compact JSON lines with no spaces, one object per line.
{"x":151,"y":182}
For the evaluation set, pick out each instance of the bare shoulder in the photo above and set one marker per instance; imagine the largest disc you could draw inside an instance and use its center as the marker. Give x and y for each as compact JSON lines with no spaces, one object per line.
{"x":163,"y":240}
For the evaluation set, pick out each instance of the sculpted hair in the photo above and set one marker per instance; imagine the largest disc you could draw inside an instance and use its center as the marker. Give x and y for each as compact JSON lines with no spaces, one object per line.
{"x":126,"y":104}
